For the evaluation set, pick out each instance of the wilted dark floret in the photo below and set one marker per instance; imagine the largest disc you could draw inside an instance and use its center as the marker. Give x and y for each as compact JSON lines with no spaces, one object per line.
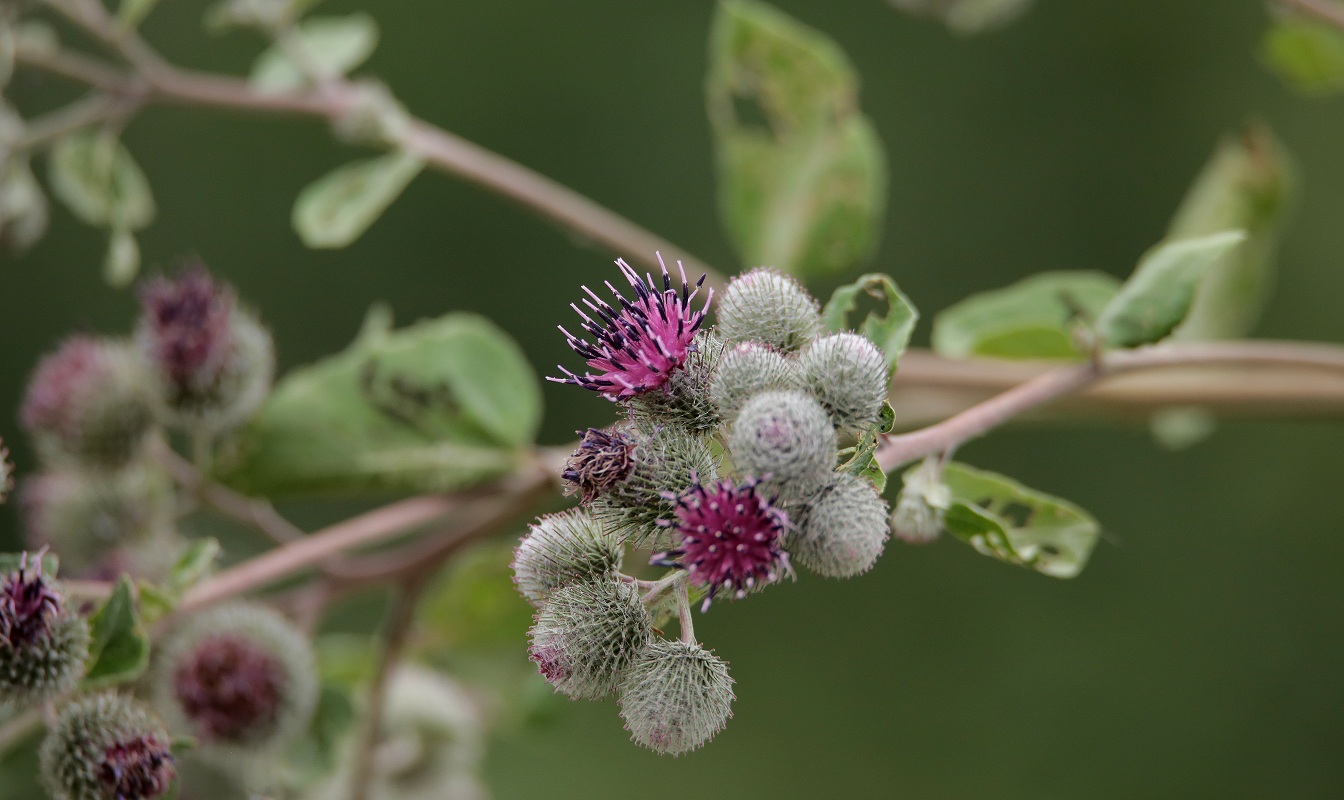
{"x":602,"y":461}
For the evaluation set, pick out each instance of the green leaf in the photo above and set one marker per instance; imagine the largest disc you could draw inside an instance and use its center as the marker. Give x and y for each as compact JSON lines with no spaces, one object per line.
{"x":1157,"y":297}
{"x":474,"y":604}
{"x":1032,"y":318}
{"x":967,"y":16}
{"x":891,"y":331}
{"x":1249,"y":183}
{"x":24,"y":214}
{"x":131,"y":12}
{"x":1308,"y":55}
{"x":1003,"y":519}
{"x":337,"y":208}
{"x":123,"y":259}
{"x":801,"y":172}
{"x":119,"y":648}
{"x":441,"y":405}
{"x":1179,"y":427}
{"x":194,"y":565}
{"x":329,"y":46}
{"x":333,"y":718}
{"x":95,"y":176}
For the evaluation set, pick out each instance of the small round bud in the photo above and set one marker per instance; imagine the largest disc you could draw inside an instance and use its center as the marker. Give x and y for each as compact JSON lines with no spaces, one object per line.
{"x":767,"y":306}
{"x":107,"y":747}
{"x":785,"y":438}
{"x":730,"y":538}
{"x":587,"y":635}
{"x":213,"y":360}
{"x":684,"y":399}
{"x":42,"y":645}
{"x":563,"y":549}
{"x":89,"y":402}
{"x":747,"y":370}
{"x":676,"y":697}
{"x":667,"y":461}
{"x":844,"y":530}
{"x":848,"y":374}
{"x":922,"y":505}
{"x":103,"y":524}
{"x":239,"y":678}
{"x":602,"y":462}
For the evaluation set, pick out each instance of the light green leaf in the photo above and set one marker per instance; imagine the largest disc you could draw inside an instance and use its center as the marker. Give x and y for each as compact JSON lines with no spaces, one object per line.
{"x":891,"y":331}
{"x":1157,"y":297}
{"x":131,"y":12}
{"x":24,"y":214}
{"x":967,"y":16}
{"x":801,"y":172}
{"x":333,"y":718}
{"x":1308,"y":55}
{"x":194,"y":565}
{"x":440,"y":405}
{"x":119,"y":648}
{"x":95,"y":176}
{"x":123,"y":259}
{"x":1032,"y":318}
{"x":1003,"y":519}
{"x":1249,"y":183}
{"x":330,"y":46}
{"x":337,"y":208}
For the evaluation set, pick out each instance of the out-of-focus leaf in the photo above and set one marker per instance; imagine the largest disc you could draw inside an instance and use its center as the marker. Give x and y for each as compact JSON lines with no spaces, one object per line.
{"x":123,"y":259}
{"x":332,"y":46}
{"x":131,"y":12}
{"x":95,"y":176}
{"x":1159,"y":294}
{"x":801,"y":172}
{"x":118,"y":648}
{"x":966,"y":16}
{"x":1029,"y":319}
{"x":1179,"y":427}
{"x":19,"y":768}
{"x":192,"y":566}
{"x":440,"y":405}
{"x":474,"y":603}
{"x":1308,"y":55}
{"x":334,"y":717}
{"x":1001,"y":518}
{"x":337,"y":208}
{"x":890,"y":331}
{"x":1249,"y":184}
{"x":346,"y":660}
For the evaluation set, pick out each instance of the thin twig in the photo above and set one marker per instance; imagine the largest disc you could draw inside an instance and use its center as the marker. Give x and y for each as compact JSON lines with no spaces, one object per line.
{"x":684,"y":611}
{"x":1046,"y":387}
{"x":89,"y":110}
{"x":259,"y":514}
{"x":401,"y":617}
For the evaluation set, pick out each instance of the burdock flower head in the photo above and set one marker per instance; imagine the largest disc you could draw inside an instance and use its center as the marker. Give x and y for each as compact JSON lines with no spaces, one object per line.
{"x":42,"y":646}
{"x":107,"y":747}
{"x":638,"y":346}
{"x":213,"y":359}
{"x":731,"y":537}
{"x":603,"y":460}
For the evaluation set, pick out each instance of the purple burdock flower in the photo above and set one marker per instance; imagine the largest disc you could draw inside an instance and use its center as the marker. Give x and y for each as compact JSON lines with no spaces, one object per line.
{"x":229,"y":686}
{"x":137,"y":768}
{"x":638,"y":347}
{"x":187,"y":325}
{"x":602,"y":461}
{"x":61,"y":382}
{"x":730,"y":538}
{"x":27,"y":606}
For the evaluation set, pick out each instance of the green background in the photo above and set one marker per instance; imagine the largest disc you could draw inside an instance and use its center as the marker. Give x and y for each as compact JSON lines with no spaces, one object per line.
{"x":1201,"y":654}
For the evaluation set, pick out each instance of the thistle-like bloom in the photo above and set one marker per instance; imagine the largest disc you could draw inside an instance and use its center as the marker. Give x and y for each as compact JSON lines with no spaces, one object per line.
{"x":140,"y":767}
{"x":229,"y":686}
{"x":637,"y":347}
{"x":676,"y":696}
{"x":731,"y":538}
{"x":42,"y":648}
{"x":604,"y":459}
{"x":27,"y":606}
{"x":188,"y":319}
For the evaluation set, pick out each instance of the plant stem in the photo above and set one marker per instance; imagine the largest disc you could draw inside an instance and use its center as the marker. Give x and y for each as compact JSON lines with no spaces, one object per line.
{"x":659,"y":587}
{"x":256,"y":513}
{"x":401,"y":617}
{"x":1046,"y":387}
{"x":684,"y":611}
{"x":332,"y":100}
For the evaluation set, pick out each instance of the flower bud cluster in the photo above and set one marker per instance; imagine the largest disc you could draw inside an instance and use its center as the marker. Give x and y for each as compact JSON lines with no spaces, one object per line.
{"x":93,"y":409}
{"x":725,"y":469}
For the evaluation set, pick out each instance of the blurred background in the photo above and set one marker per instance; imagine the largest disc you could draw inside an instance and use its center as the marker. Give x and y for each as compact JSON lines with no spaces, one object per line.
{"x":1201,"y":654}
